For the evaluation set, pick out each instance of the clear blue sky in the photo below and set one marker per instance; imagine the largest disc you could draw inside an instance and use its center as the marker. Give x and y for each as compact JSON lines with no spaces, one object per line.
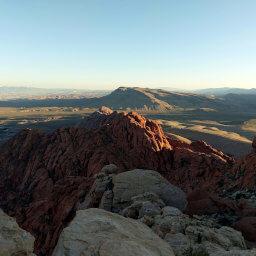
{"x":103,"y":44}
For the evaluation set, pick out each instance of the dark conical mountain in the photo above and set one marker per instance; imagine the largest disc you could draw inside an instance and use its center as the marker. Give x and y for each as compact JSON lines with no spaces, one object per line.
{"x":135,"y":98}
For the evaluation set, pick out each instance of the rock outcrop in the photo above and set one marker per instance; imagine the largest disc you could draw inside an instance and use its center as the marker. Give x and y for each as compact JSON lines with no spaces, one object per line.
{"x":45,"y":177}
{"x":202,"y":202}
{"x":98,"y":232}
{"x":197,"y":235}
{"x":138,"y":194}
{"x":14,"y":241}
{"x":140,"y":189}
{"x":193,"y":235}
{"x":97,"y":119}
{"x":244,"y":171}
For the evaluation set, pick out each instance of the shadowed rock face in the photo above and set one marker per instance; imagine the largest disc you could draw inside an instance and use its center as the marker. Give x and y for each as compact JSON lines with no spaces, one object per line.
{"x":44,"y":176}
{"x":203,"y":202}
{"x":245,"y":170}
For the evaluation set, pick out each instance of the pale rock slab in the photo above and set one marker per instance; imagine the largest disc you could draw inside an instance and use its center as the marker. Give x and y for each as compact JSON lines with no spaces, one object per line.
{"x":98,"y":232}
{"x":14,"y":241}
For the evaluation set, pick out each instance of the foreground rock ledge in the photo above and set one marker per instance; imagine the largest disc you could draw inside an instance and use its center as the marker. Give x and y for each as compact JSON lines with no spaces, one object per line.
{"x":14,"y":241}
{"x":98,"y":232}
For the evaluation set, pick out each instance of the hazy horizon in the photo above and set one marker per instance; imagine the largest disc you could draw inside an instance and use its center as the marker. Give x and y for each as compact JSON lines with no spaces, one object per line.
{"x":92,"y":89}
{"x":101,"y":45}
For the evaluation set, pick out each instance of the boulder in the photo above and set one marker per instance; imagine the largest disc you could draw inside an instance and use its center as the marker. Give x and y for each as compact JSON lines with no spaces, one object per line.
{"x":98,"y":195}
{"x":149,"y":221}
{"x":179,"y":243}
{"x":138,"y":181}
{"x":169,"y":224}
{"x":197,"y":236}
{"x":13,"y":239}
{"x":148,"y":204}
{"x":139,"y":209}
{"x":225,"y":238}
{"x":149,"y":209}
{"x":109,"y":169}
{"x":235,"y":253}
{"x":106,"y":201}
{"x":98,"y":232}
{"x":148,"y":196}
{"x":171,"y":211}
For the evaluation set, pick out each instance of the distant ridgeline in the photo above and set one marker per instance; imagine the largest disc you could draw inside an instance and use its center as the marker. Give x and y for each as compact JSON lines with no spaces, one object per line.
{"x":143,"y":99}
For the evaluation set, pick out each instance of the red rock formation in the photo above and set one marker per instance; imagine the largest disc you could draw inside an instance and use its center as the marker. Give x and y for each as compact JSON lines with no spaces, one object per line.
{"x":254,"y":145}
{"x":200,"y":147}
{"x":98,"y":118}
{"x":248,"y":228}
{"x":202,"y":202}
{"x":244,"y":171}
{"x":43,"y":177}
{"x":41,"y":197}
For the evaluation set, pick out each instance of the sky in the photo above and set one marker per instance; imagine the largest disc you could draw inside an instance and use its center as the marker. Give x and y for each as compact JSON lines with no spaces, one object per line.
{"x":104,"y":44}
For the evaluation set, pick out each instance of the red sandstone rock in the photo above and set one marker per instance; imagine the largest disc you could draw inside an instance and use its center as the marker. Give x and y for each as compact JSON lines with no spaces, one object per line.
{"x":244,"y":171}
{"x":98,"y":118}
{"x":254,"y":145}
{"x":248,"y":228}
{"x":201,"y":147}
{"x":43,"y":177}
{"x":202,"y":202}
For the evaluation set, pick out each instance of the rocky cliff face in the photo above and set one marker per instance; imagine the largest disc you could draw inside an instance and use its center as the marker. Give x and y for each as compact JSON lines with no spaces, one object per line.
{"x":44,"y":176}
{"x":245,"y":170}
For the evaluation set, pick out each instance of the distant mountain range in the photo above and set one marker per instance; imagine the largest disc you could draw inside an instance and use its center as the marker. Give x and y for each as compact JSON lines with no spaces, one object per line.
{"x":135,"y":98}
{"x":213,"y":91}
{"x":225,"y":90}
{"x":7,"y":93}
{"x":145,"y":99}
